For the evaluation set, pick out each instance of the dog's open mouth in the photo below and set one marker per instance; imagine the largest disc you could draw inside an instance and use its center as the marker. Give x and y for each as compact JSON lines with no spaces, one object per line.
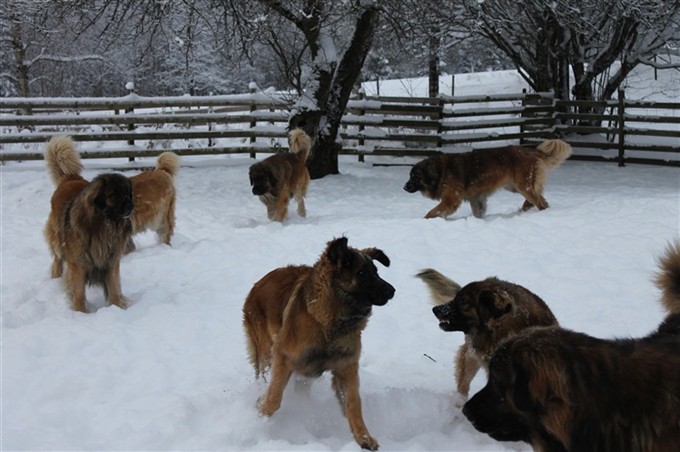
{"x":443,"y":323}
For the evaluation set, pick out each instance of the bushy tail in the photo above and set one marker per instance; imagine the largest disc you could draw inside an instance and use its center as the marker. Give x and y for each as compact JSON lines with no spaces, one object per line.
{"x":442,"y":289}
{"x":259,"y":344}
{"x":300,"y":143}
{"x":62,"y":158}
{"x":668,"y":278}
{"x":554,"y":152}
{"x":168,"y":162}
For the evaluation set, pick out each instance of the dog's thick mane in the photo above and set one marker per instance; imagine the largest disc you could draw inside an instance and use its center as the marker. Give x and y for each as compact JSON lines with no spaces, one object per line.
{"x":107,"y":237}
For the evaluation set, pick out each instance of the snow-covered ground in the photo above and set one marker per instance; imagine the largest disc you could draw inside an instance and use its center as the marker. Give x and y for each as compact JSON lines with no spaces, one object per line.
{"x":171,"y":373}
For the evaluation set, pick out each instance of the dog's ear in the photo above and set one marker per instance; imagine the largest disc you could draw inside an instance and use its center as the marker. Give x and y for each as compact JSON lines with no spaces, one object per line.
{"x":545,"y":385}
{"x":272,"y":175}
{"x":378,"y":255}
{"x":432,"y":173}
{"x":338,"y":252}
{"x":494,"y":303}
{"x":94,"y":194}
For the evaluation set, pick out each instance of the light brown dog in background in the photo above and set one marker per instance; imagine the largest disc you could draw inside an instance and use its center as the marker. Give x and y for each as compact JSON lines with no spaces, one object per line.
{"x":88,"y":226}
{"x":154,"y":197}
{"x":280,"y":177}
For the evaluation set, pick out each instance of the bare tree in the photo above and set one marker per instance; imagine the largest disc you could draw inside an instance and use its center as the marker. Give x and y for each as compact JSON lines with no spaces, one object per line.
{"x":313,"y":33}
{"x":427,"y":28}
{"x":600,"y":40}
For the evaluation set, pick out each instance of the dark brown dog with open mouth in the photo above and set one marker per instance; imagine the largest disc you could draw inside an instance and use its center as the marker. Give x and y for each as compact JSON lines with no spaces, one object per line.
{"x":308,"y":320}
{"x":560,"y":390}
{"x":488,"y":312}
{"x":88,"y":226}
{"x":474,"y":176}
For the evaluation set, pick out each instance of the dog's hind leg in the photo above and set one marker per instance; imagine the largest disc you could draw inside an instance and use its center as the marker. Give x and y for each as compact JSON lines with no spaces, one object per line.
{"x":467,"y":366}
{"x":300,"y":204}
{"x":280,"y":374}
{"x":532,"y":190}
{"x":346,"y":386}
{"x":478,"y":205}
{"x":167,"y":227}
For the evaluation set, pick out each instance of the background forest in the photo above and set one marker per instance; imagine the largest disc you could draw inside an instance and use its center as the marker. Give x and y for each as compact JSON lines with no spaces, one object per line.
{"x":199,"y":47}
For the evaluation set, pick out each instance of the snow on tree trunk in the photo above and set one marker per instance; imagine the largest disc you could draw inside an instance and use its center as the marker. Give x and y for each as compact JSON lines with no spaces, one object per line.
{"x":331,"y":85}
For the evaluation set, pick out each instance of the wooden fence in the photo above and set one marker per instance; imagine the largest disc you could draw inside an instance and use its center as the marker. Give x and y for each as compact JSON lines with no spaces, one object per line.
{"x":136,"y":126}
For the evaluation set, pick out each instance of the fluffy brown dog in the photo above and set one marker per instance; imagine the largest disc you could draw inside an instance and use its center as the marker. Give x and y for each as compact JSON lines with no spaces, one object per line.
{"x":154,"y":199}
{"x":280,"y":177}
{"x":474,"y":176}
{"x":88,"y":226}
{"x":561,"y":390}
{"x":309,"y":320}
{"x":488,"y":312}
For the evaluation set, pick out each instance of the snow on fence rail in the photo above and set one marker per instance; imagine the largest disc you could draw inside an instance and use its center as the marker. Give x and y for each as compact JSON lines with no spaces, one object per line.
{"x":137,"y":126}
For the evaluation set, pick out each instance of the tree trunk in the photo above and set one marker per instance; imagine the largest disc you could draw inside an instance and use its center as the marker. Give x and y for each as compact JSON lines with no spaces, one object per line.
{"x":331,"y":97}
{"x":22,"y":70}
{"x":433,"y":66}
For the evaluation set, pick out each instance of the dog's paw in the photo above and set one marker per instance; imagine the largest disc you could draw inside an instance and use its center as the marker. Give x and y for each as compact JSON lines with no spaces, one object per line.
{"x":368,"y":442}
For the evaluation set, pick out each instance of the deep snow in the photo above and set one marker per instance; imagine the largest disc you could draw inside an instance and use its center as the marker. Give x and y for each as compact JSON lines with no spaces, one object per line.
{"x":171,"y":373}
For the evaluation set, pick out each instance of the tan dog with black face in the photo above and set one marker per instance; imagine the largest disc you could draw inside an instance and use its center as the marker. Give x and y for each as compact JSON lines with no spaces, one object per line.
{"x":280,"y":177}
{"x":88,"y":226}
{"x":488,"y":312}
{"x":474,"y":176}
{"x":154,"y":197}
{"x":308,"y":320}
{"x":561,"y":390}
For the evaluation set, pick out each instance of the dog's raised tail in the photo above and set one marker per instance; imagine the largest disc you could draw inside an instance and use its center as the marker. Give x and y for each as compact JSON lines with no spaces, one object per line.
{"x":555,"y":152}
{"x":168,"y":162}
{"x":62,"y":158}
{"x":442,"y":289}
{"x":300,"y":143}
{"x":668,"y":278}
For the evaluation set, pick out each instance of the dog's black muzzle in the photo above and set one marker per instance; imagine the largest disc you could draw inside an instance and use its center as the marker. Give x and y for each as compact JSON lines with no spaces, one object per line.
{"x":259,"y":190}
{"x":410,"y":187}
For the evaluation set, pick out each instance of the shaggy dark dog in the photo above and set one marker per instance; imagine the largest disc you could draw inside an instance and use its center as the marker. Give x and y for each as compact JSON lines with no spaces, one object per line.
{"x":88,"y":226}
{"x":560,"y":390}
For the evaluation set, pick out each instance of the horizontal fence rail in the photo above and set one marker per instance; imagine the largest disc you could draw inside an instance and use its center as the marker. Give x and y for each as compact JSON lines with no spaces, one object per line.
{"x":135,"y":126}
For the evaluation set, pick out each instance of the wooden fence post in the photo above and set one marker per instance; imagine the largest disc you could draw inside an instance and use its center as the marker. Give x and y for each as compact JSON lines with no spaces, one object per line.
{"x":440,"y":121}
{"x":622,"y":131}
{"x":252,"y":88}
{"x":211,"y":109}
{"x":130,"y":86}
{"x":361,"y":126}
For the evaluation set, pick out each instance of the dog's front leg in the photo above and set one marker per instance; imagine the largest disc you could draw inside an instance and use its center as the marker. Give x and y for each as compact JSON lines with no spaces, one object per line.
{"x":282,"y":204}
{"x":446,"y":207}
{"x":467,"y":366}
{"x":280,"y":374}
{"x":75,"y":283}
{"x":112,"y":286}
{"x":346,"y":385}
